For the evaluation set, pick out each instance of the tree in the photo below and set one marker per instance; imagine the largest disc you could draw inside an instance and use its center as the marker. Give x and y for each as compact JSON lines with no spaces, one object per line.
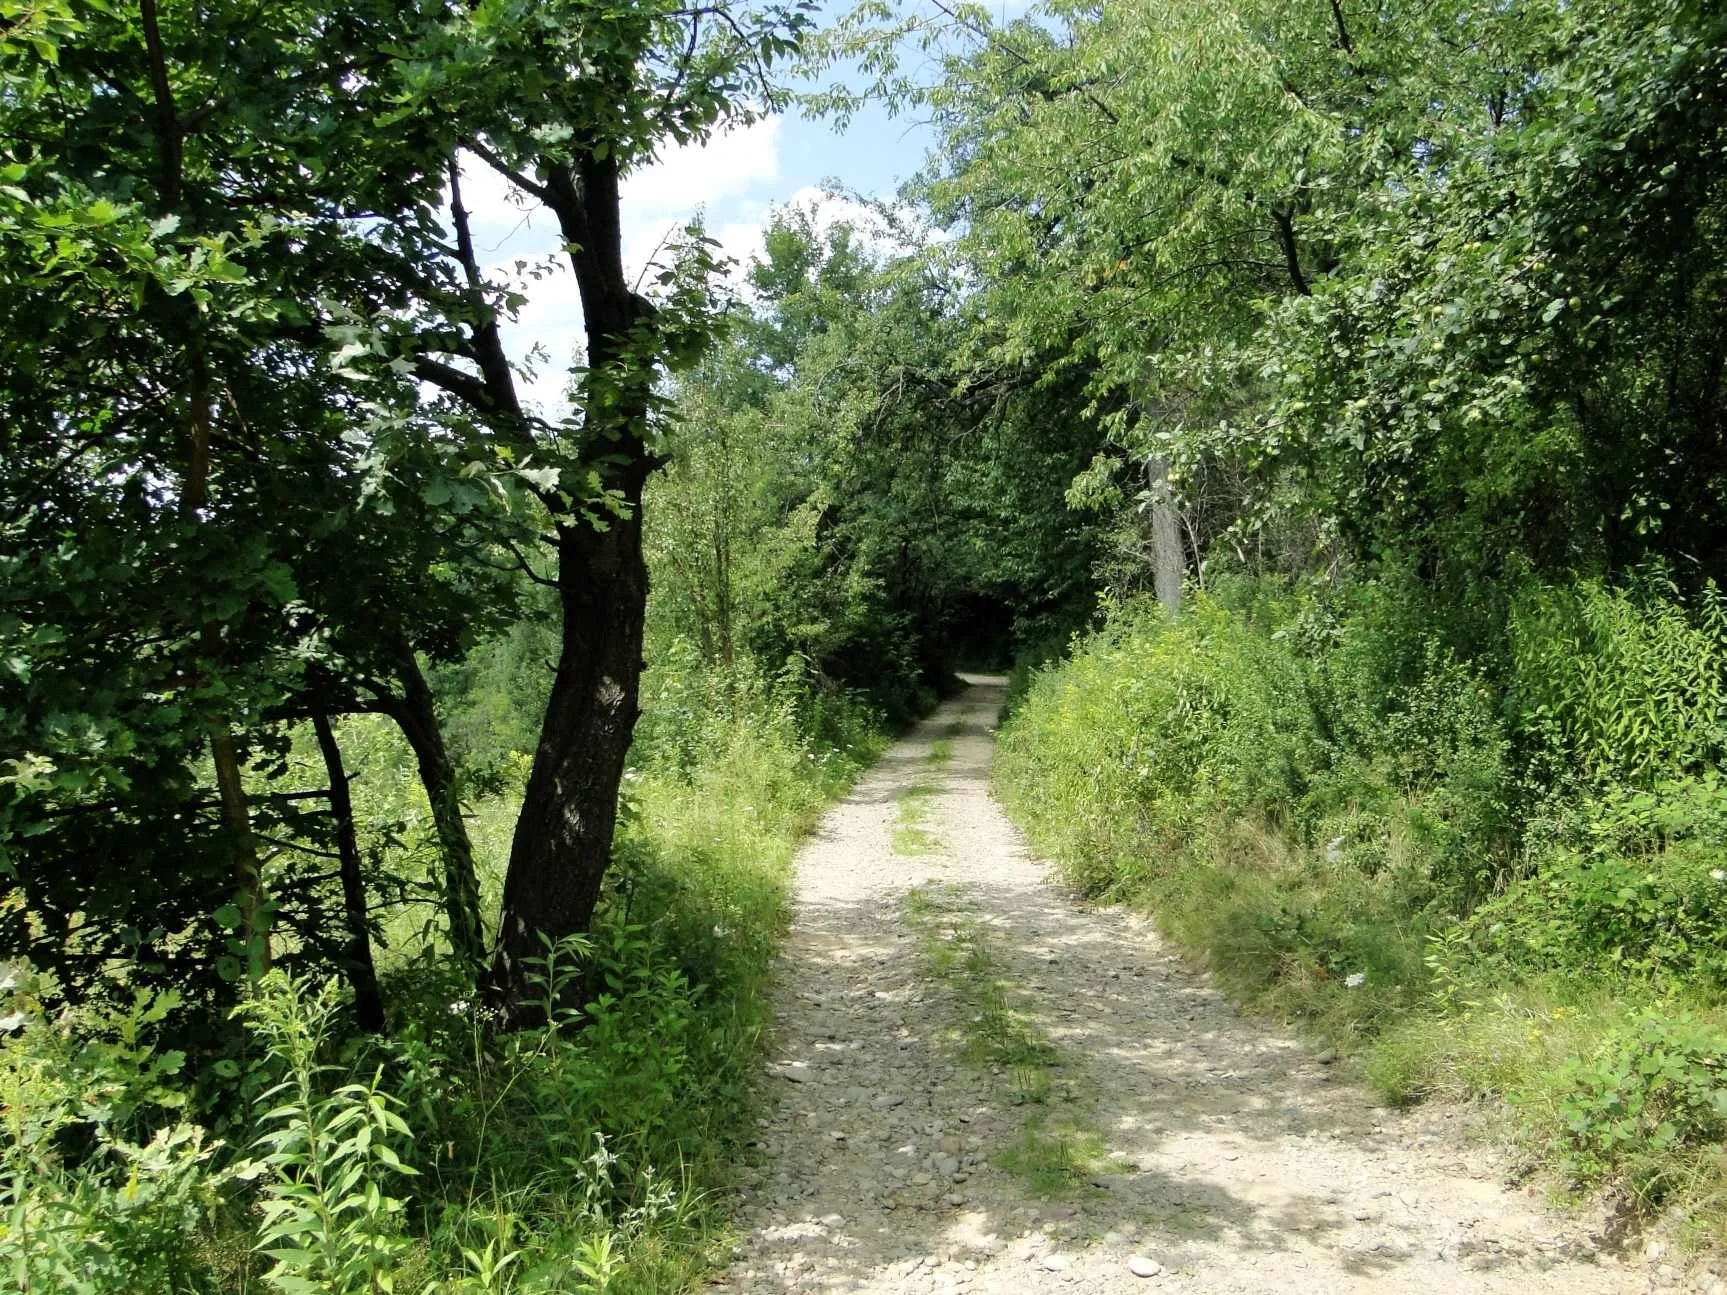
{"x":256,"y":284}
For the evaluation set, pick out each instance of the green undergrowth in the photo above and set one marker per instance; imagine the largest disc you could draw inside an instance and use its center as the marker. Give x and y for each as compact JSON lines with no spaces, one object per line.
{"x":443,"y":1157}
{"x":1055,"y":1151}
{"x":911,"y":834}
{"x":1491,"y":869}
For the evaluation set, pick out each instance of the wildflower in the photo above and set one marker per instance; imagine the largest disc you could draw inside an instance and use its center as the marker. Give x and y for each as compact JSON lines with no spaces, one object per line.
{"x":1718,"y":874}
{"x":1355,"y":979}
{"x":11,"y":1021}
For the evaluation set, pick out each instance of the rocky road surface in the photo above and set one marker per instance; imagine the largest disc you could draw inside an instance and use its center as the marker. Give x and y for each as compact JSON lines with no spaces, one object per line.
{"x":1175,"y":1145}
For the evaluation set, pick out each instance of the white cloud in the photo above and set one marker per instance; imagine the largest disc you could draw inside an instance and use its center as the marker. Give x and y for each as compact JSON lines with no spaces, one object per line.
{"x":550,"y":323}
{"x":718,"y":177}
{"x":505,"y":221}
{"x":687,"y":176}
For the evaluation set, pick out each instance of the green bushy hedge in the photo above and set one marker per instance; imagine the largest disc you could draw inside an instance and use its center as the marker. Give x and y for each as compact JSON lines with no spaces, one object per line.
{"x":444,"y":1157}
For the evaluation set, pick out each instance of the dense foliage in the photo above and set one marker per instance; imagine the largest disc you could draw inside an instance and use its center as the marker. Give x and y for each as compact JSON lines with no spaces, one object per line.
{"x":389,"y":880}
{"x":1410,"y":314}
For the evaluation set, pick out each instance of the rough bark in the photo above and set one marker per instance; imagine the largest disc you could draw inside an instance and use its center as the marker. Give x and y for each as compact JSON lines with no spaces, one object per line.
{"x":357,"y":957}
{"x":563,"y":840}
{"x":1167,"y":560}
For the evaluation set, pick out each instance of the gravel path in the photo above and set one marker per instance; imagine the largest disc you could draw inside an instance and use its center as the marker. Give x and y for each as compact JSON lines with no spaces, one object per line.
{"x":1232,"y":1158}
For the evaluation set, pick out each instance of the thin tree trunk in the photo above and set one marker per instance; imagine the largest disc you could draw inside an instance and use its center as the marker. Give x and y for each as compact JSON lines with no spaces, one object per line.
{"x":362,"y":975}
{"x":194,"y":495}
{"x":415,"y":713}
{"x":1167,"y":560}
{"x":723,"y":554}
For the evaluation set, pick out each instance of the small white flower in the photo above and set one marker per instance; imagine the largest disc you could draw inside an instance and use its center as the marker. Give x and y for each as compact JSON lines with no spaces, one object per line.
{"x":1718,"y":874}
{"x":11,"y":1021}
{"x":1355,"y":979}
{"x":460,"y":1007}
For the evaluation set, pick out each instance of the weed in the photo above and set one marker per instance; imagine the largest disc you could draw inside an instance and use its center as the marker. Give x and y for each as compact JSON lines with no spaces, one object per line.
{"x":910,"y":836}
{"x":1055,"y":1157}
{"x":329,"y":1154}
{"x":1055,"y":1153}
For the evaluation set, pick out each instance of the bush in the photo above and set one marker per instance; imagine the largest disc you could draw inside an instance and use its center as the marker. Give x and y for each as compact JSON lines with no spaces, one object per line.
{"x":103,"y":1183}
{"x":1644,"y":891}
{"x":1622,"y":686}
{"x":1479,"y":868}
{"x":1116,"y":755}
{"x":1656,"y":1089}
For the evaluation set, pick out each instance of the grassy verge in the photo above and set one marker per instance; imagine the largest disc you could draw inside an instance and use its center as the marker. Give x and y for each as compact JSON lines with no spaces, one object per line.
{"x":911,"y":835}
{"x":655,"y":1096}
{"x":590,"y":1155}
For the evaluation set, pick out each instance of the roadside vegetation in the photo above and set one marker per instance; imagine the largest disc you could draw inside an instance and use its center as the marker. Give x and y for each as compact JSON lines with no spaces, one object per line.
{"x":1502,"y":876}
{"x":1056,"y":1152}
{"x":439,"y":1156}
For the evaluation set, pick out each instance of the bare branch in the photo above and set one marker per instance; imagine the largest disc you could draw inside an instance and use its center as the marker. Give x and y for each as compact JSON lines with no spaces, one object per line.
{"x":503,"y":168}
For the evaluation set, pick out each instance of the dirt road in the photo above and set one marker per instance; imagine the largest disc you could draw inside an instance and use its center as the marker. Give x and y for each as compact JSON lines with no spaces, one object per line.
{"x":979,"y":1085}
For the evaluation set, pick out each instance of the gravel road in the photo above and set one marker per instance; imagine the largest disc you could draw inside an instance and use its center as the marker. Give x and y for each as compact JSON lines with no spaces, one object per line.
{"x":1228,"y":1157}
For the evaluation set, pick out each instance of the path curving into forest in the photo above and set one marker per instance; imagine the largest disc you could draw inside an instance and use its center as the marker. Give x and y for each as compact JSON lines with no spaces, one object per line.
{"x":979,"y":1085}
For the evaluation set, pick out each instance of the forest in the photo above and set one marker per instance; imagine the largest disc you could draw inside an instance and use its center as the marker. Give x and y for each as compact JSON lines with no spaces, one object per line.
{"x":1320,"y":408}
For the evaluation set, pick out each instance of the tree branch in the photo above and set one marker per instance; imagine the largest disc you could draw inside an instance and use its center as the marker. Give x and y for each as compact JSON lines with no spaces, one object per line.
{"x":1344,"y":43}
{"x":169,"y":143}
{"x":465,"y":387}
{"x":1291,"y":259}
{"x":503,"y":168}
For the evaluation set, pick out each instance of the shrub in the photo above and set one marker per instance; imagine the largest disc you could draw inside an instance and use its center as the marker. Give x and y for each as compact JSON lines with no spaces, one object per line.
{"x":1117,"y":753}
{"x":103,"y":1183}
{"x":1656,"y":1089}
{"x":1642,"y":890}
{"x":1622,"y":685}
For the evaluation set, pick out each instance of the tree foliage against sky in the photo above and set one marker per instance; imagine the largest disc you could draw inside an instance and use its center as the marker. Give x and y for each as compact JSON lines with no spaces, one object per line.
{"x":262,"y":442}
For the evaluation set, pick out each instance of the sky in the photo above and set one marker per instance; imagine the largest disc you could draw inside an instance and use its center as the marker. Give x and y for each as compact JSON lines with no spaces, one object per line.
{"x":735,"y":181}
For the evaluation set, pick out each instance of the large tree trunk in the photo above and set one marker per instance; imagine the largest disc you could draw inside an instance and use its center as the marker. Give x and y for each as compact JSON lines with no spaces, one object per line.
{"x":563,"y":840}
{"x":362,"y":975}
{"x":415,"y":713}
